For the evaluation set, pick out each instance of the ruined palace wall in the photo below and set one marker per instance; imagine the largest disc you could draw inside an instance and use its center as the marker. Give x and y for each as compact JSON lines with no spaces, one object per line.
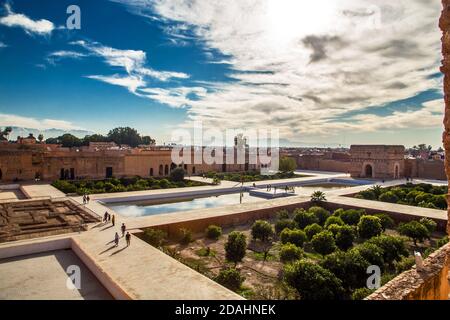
{"x":322,"y":163}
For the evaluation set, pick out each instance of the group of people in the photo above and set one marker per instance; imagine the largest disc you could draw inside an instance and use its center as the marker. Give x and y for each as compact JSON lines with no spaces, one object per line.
{"x":107,"y":217}
{"x":86,"y":199}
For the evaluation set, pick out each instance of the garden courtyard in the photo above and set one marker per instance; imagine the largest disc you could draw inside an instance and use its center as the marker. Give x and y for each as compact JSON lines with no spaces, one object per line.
{"x":282,"y":257}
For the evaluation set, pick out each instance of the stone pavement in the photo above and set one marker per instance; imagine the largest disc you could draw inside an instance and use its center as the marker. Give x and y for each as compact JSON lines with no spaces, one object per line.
{"x":43,"y":276}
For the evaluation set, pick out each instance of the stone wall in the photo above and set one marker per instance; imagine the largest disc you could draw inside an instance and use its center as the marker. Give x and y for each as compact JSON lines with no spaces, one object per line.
{"x":430,"y":283}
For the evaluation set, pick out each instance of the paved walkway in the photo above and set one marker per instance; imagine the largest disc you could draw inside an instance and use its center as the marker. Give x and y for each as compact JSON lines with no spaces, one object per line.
{"x":145,"y":272}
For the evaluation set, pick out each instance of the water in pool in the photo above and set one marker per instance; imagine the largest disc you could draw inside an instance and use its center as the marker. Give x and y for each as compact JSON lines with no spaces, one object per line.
{"x":147,"y":208}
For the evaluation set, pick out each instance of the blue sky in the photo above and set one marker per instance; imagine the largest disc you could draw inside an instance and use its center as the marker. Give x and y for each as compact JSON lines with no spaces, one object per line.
{"x":161,"y":65}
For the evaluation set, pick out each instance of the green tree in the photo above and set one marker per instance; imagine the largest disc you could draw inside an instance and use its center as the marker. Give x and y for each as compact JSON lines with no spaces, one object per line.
{"x":40,"y":137}
{"x":313,"y":282}
{"x":69,"y":141}
{"x":350,"y":267}
{"x":235,"y":247}
{"x":94,"y":138}
{"x":372,"y":253}
{"x":230,"y":278}
{"x":304,"y":218}
{"x":177,"y":174}
{"x":369,"y":226}
{"x":296,"y":236}
{"x":333,"y":220}
{"x":414,"y":230}
{"x":321,"y":214}
{"x":213,"y":232}
{"x":323,"y":243}
{"x":125,"y":135}
{"x":431,"y":225}
{"x":290,"y":252}
{"x":361,"y":293}
{"x":345,"y":237}
{"x":351,"y":216}
{"x":282,"y":224}
{"x":386,"y":221}
{"x":393,"y":247}
{"x":388,"y":196}
{"x":312,"y":230}
{"x":287,"y":164}
{"x":262,"y":230}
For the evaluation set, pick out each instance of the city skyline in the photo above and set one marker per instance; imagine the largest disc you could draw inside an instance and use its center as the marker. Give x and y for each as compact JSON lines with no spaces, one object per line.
{"x":304,"y":69}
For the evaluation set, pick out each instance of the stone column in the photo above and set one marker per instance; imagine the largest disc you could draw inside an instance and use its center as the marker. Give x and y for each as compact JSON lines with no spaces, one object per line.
{"x":444,"y":24}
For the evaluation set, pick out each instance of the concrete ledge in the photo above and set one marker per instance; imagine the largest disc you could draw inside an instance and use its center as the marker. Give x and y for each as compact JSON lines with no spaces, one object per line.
{"x":27,"y":247}
{"x":113,"y":287}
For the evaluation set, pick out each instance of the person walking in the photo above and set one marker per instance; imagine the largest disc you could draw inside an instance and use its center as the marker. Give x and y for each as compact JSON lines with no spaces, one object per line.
{"x":113,"y":220}
{"x":128,"y":239}
{"x":116,"y":239}
{"x":123,"y":228}
{"x":84,"y":199}
{"x":105,"y":216}
{"x":87,"y":199}
{"x":108,"y":218}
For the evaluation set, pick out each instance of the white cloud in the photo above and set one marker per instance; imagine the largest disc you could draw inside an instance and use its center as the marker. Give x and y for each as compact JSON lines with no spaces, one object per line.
{"x":67,"y":54}
{"x":40,"y":27}
{"x":132,"y":83}
{"x":299,"y":65}
{"x":3,"y":45}
{"x":33,"y":123}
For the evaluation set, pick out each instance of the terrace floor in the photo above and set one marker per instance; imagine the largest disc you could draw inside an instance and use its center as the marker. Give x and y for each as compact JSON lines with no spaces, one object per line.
{"x":43,"y":276}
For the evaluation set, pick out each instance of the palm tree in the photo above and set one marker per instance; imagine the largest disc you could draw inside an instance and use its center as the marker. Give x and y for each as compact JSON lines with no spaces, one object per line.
{"x":318,"y":196}
{"x":41,"y":137}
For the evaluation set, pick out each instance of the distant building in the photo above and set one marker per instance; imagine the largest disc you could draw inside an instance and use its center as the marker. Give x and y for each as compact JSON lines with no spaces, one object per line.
{"x":377,"y":161}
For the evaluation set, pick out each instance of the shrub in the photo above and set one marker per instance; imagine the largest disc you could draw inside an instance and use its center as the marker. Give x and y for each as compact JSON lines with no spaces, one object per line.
{"x":283,"y":214}
{"x":439,"y":201}
{"x":321,"y":214}
{"x":414,"y":230}
{"x":372,"y":253}
{"x":312,"y":230}
{"x":304,"y":218}
{"x":296,"y":236}
{"x":323,"y":242}
{"x":386,"y":221}
{"x":177,"y":174}
{"x":429,"y":224}
{"x":367,"y":195}
{"x":186,"y":236}
{"x":262,"y":230}
{"x":361,"y":293}
{"x":345,"y":237}
{"x":313,"y":282}
{"x":290,"y":252}
{"x":334,"y":220}
{"x":334,"y":229}
{"x":282,"y":224}
{"x":230,"y":278}
{"x":155,"y":237}
{"x":351,"y":216}
{"x":388,"y":196}
{"x":369,"y":226}
{"x":393,"y":247}
{"x":350,"y":267}
{"x":213,"y":232}
{"x":235,"y":247}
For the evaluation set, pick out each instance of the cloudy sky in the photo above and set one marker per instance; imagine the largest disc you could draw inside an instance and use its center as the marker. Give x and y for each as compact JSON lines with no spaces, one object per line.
{"x":322,"y":72}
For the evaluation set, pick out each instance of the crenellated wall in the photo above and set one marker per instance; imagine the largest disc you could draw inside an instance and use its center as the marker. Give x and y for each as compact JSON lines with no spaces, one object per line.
{"x":444,"y":24}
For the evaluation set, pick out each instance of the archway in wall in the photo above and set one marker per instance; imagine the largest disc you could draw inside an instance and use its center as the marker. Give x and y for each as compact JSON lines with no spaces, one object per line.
{"x":161,"y":170}
{"x":396,"y":172}
{"x":368,"y":171}
{"x":151,"y":172}
{"x":166,"y":169}
{"x":1,"y":174}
